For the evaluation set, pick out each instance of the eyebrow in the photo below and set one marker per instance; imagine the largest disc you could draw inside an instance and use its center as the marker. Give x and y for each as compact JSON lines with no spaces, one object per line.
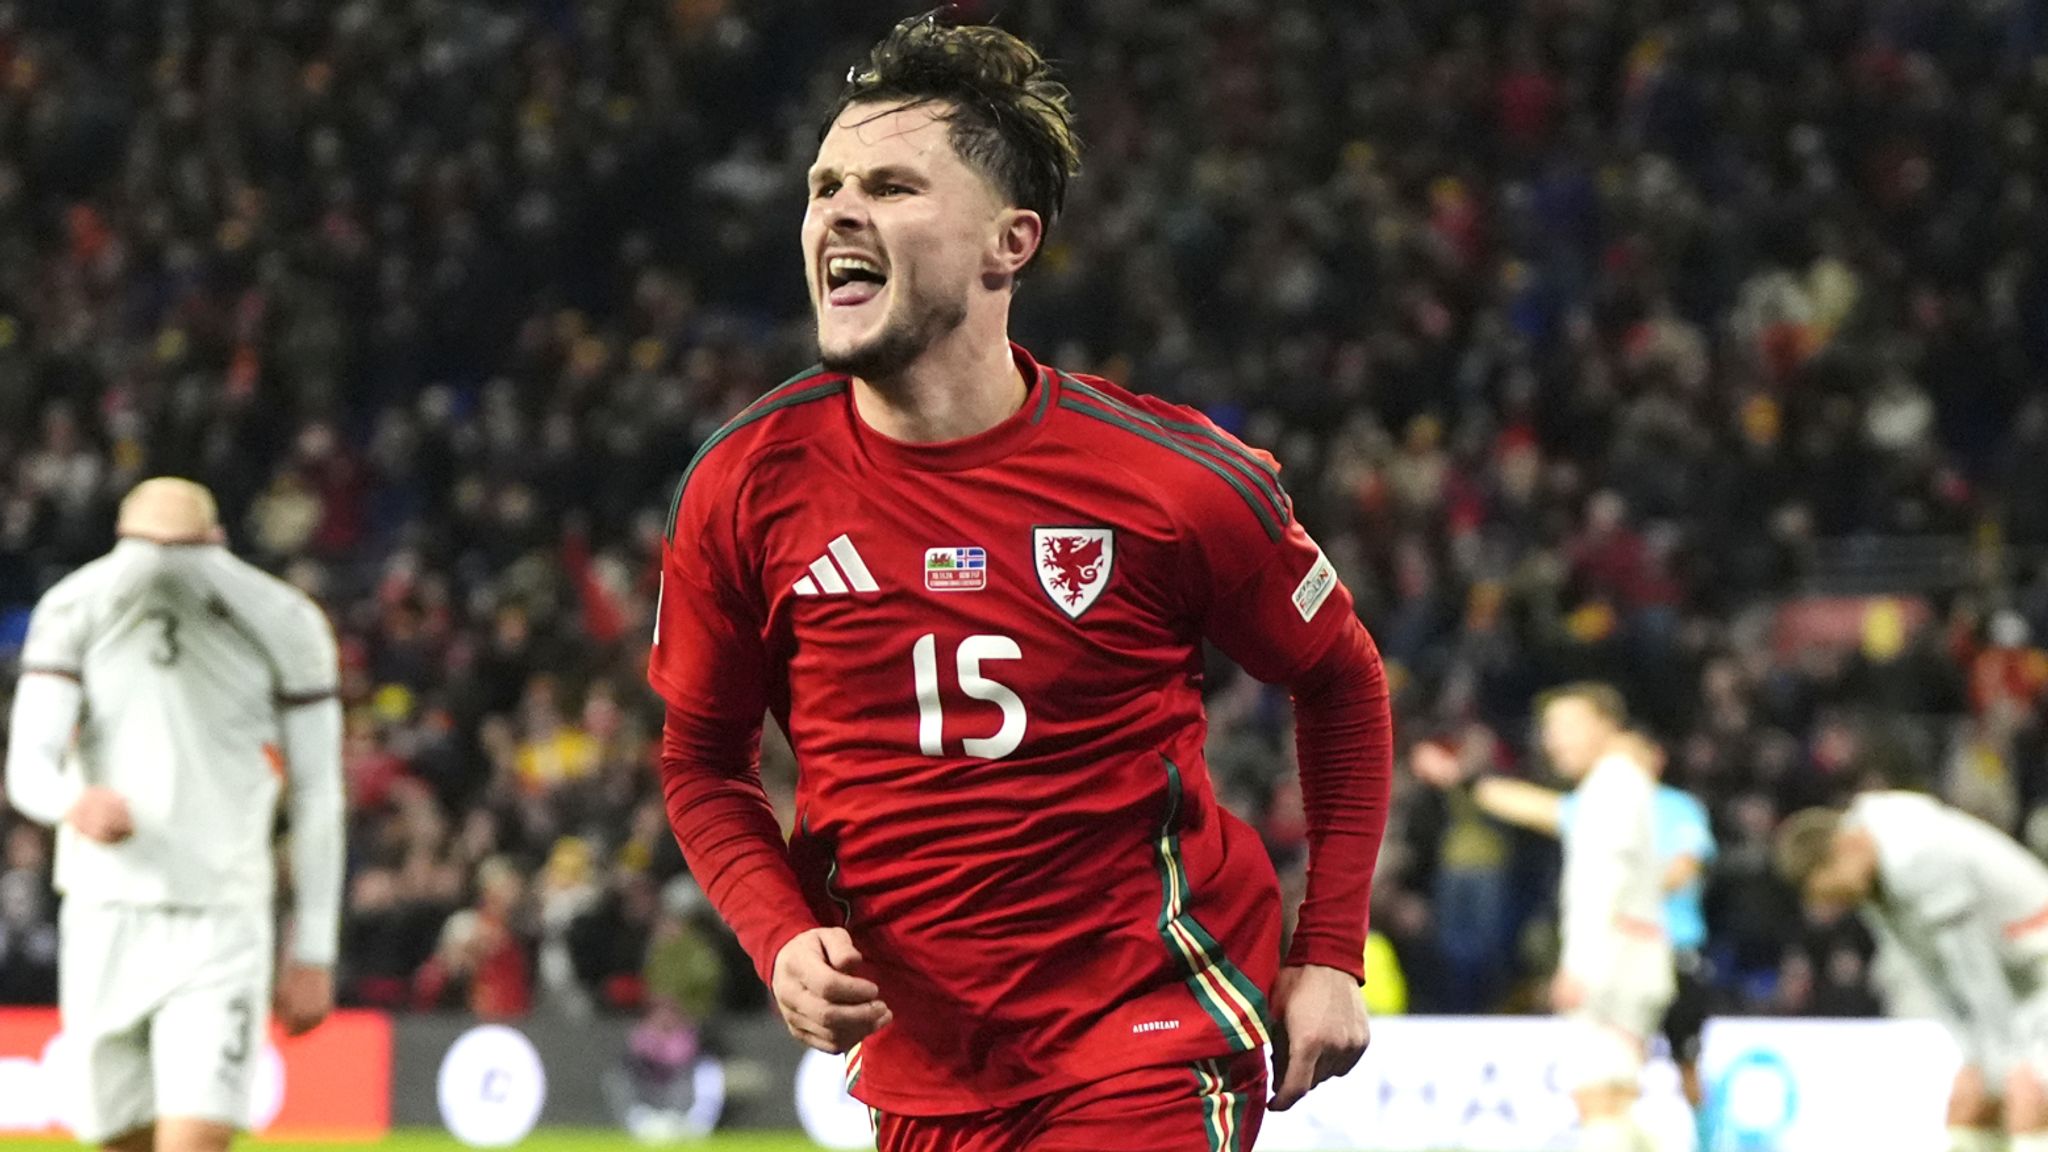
{"x":883,"y":173}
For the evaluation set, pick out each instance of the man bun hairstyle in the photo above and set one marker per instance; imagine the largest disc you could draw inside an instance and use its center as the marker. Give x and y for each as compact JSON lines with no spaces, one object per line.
{"x":1007,"y":116}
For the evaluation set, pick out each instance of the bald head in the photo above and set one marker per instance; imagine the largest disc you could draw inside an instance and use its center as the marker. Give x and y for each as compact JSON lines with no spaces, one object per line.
{"x":169,"y":510}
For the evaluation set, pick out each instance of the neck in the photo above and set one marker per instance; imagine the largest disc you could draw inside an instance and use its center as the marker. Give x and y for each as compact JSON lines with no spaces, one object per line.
{"x":165,"y":539}
{"x":958,"y":388}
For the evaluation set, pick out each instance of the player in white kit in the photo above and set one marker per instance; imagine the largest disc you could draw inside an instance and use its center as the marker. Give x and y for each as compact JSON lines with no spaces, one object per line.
{"x":170,"y":693}
{"x":1960,"y":913}
{"x":1614,"y":976}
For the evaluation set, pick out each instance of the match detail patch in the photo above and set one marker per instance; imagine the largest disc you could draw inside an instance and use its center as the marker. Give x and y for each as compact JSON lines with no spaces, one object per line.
{"x":1315,"y":587}
{"x":955,"y":569}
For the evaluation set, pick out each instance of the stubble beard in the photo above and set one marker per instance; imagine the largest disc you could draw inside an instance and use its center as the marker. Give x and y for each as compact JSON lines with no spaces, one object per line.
{"x":925,"y":319}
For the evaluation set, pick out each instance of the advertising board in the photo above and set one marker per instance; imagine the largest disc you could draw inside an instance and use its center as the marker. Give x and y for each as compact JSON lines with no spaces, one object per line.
{"x":332,"y":1084}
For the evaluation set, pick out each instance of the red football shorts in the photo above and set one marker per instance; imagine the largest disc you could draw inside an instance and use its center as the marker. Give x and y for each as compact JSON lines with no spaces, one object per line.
{"x":1211,"y":1104}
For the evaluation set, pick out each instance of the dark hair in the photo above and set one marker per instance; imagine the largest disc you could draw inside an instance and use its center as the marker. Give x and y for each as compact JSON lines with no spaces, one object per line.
{"x":1008,"y":118}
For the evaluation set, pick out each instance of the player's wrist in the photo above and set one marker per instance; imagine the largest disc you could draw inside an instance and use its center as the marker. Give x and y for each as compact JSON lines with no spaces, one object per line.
{"x":1318,"y":954}
{"x":770,"y":962}
{"x":1333,"y":971}
{"x":91,"y":807}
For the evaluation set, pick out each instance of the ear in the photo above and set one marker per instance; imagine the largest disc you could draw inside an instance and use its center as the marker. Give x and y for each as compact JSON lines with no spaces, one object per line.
{"x":1018,"y":233}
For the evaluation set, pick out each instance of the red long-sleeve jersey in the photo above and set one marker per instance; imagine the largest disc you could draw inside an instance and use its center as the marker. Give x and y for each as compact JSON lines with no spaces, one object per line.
{"x":987,"y":657}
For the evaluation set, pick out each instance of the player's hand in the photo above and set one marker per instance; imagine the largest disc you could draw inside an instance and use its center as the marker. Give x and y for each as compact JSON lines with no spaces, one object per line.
{"x":1567,"y":993}
{"x":101,"y":814}
{"x":1323,"y":1030}
{"x":305,"y":995}
{"x":822,"y":1000}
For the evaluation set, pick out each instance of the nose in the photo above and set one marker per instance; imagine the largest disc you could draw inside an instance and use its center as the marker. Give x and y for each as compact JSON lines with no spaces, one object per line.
{"x":847,"y":211}
{"x":846,"y":214}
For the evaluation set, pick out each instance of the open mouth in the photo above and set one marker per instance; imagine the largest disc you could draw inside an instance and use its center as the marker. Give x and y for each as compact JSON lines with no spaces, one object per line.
{"x":851,"y":280}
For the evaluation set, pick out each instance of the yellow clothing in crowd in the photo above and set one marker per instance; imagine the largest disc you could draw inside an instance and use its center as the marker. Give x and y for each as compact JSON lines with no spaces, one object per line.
{"x":1386,"y":989}
{"x":568,"y":754}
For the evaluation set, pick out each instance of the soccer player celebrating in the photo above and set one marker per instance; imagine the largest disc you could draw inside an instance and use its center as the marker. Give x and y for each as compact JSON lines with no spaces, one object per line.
{"x":1614,"y":978}
{"x":169,"y":693}
{"x":973,"y":590}
{"x":1960,"y":911}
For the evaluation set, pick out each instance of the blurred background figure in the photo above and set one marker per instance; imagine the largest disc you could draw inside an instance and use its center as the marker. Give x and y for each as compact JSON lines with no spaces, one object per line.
{"x":1471,"y":893}
{"x":566,"y":894}
{"x":668,"y":1087}
{"x":28,"y":922}
{"x":1961,"y":915}
{"x":483,"y":962}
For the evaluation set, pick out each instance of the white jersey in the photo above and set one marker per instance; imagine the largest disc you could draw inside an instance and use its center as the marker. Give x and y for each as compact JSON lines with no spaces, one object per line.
{"x":185,"y":655}
{"x":1613,"y":903}
{"x":1959,"y":910}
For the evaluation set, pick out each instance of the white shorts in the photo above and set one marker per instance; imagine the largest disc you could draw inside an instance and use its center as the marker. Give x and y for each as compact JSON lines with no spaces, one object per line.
{"x":1600,"y":1053}
{"x":1612,"y":1029}
{"x":164,"y":1010}
{"x":2024,"y":1043}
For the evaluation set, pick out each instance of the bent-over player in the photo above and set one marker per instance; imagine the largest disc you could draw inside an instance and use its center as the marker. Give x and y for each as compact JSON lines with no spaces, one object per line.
{"x":1960,"y":913}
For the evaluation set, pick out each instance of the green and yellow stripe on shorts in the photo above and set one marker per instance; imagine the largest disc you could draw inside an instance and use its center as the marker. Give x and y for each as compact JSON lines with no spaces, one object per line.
{"x":1223,"y":1110}
{"x":1220,"y":987}
{"x":853,"y":1068}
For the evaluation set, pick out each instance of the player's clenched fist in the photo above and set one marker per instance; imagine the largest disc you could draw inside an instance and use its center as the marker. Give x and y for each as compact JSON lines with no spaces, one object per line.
{"x":304,"y":997}
{"x":101,"y":814}
{"x":821,"y":1000}
{"x":1323,"y":1030}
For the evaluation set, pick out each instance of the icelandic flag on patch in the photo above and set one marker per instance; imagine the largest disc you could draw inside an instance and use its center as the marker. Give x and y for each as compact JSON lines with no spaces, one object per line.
{"x":961,"y":569}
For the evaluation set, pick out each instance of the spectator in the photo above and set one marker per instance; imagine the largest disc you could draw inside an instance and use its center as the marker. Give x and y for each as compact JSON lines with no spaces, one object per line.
{"x":481,"y":961}
{"x":685,"y":973}
{"x":659,"y":1086}
{"x":565,"y":894}
{"x":28,"y":920}
{"x":393,"y":922}
{"x":552,"y":752}
{"x":1471,"y":891}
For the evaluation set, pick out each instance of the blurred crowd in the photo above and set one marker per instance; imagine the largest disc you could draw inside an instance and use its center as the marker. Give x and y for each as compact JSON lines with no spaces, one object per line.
{"x":1591,"y":334}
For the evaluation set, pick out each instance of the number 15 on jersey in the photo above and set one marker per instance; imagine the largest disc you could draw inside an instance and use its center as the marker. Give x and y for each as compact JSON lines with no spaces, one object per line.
{"x":973,"y":652}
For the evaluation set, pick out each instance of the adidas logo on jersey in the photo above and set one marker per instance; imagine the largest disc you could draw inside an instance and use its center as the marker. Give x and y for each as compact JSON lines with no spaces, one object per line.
{"x":849,"y":574}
